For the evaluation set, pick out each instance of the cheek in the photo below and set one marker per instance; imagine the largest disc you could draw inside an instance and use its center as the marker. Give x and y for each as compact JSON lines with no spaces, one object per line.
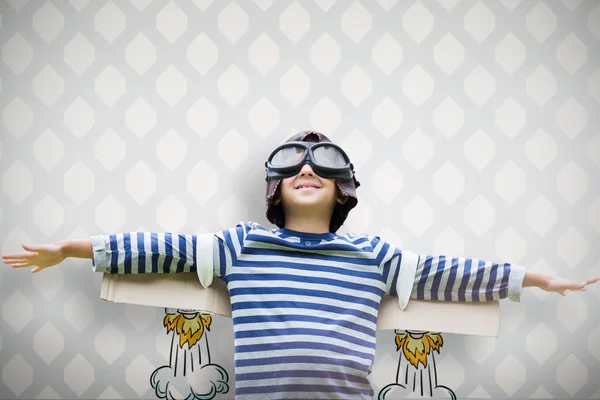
{"x":331,"y":191}
{"x":285,"y":187}
{"x":331,"y":187}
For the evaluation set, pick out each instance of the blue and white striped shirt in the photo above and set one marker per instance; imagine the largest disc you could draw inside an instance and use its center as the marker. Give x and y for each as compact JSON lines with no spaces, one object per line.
{"x":304,"y":305}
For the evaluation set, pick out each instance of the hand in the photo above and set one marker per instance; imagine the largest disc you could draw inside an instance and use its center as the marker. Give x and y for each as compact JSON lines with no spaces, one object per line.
{"x":561,"y":285}
{"x":41,"y":256}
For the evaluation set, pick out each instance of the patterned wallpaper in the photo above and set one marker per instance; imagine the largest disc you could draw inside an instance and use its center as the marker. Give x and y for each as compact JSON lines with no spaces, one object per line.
{"x":473,"y":125}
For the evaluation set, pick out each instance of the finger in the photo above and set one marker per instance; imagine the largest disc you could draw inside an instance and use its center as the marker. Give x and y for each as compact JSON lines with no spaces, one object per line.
{"x":15,"y":260}
{"x":21,"y":265}
{"x":20,"y":255}
{"x":12,"y":264}
{"x":29,"y":248}
{"x":574,"y":285}
{"x":36,"y":270}
{"x":591,"y":281}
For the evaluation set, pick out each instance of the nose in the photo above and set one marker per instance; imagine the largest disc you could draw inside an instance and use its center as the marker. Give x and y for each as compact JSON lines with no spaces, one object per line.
{"x":306,"y":170}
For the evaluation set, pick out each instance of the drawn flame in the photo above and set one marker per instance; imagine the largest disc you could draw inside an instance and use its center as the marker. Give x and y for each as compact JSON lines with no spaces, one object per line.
{"x":416,"y":350}
{"x":190,"y":330}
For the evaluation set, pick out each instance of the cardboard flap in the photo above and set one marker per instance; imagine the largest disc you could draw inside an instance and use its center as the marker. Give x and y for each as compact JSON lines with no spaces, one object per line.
{"x":482,"y":319}
{"x":183,"y":290}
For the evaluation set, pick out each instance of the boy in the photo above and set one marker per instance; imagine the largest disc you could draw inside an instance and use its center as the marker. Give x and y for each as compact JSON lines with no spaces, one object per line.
{"x":304,"y":299}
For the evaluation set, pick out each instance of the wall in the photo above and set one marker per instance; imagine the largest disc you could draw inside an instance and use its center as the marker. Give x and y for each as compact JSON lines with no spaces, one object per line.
{"x":473,"y":126}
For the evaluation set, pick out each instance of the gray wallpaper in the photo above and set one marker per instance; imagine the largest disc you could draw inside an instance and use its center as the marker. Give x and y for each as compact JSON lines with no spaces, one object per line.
{"x":473,"y":125}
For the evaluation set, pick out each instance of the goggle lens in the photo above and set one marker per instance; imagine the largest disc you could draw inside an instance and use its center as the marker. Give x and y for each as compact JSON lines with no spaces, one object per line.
{"x":287,"y":157}
{"x":328,"y":156}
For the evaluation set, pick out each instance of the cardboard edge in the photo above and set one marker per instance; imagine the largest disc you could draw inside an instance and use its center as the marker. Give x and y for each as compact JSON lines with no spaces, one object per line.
{"x":184,"y":291}
{"x":466,"y":318}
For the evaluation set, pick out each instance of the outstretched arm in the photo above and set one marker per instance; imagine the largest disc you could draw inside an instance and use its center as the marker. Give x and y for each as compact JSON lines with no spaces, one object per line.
{"x":467,"y":279}
{"x":117,"y":253}
{"x":142,"y":252}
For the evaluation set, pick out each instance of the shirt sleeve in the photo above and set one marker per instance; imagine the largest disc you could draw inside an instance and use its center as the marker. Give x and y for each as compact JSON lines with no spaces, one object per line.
{"x":409,"y":275}
{"x":228,"y":246}
{"x":144,"y":252}
{"x":151,"y":252}
{"x":466,"y":279}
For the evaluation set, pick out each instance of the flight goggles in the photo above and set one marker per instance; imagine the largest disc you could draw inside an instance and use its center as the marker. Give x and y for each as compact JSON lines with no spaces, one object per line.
{"x":327,"y":159}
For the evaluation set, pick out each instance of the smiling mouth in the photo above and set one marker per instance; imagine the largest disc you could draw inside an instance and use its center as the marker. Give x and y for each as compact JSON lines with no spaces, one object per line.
{"x":306,"y":188}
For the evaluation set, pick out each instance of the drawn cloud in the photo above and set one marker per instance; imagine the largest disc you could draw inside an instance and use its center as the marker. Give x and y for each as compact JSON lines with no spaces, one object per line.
{"x":202,"y":384}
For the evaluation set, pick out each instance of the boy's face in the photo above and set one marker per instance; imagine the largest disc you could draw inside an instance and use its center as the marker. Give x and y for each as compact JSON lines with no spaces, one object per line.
{"x":307,"y":190}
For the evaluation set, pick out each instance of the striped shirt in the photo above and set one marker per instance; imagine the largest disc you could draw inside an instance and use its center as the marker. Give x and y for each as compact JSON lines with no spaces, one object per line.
{"x":304,"y":305}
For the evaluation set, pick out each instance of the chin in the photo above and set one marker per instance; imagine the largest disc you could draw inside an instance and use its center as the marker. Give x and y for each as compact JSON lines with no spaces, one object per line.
{"x":307,"y":201}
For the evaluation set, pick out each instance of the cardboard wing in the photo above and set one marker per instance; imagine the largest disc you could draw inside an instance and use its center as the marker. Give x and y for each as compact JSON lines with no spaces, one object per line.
{"x":184,"y":291}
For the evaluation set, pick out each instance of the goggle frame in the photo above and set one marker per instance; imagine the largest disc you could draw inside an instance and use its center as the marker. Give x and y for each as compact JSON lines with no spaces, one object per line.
{"x":344,"y":173}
